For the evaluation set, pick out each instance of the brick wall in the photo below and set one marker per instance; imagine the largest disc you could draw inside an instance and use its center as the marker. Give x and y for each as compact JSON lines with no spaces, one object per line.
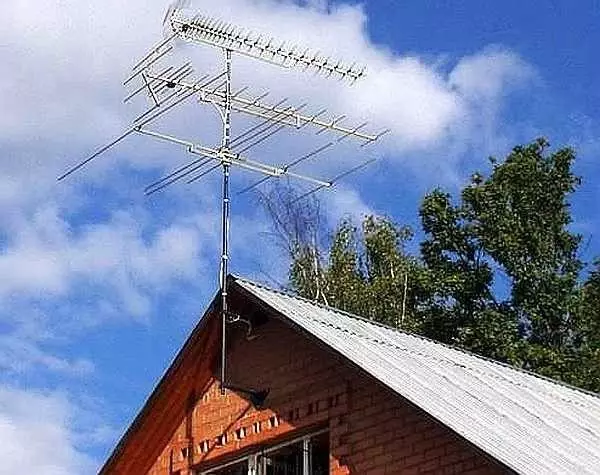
{"x":372,"y":430}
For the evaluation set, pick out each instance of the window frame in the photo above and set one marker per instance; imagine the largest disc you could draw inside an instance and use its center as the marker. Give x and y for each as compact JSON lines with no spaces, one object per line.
{"x":255,"y":467}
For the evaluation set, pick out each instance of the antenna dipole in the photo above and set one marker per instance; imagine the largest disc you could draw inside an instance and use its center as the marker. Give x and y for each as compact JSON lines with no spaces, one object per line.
{"x":168,"y":86}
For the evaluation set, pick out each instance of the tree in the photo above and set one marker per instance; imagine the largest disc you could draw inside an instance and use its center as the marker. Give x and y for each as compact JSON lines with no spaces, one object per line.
{"x":458,"y":296}
{"x":363,"y":266}
{"x":516,"y":222}
{"x":585,"y":361}
{"x":298,"y":230}
{"x":521,"y":217}
{"x":513,"y":225}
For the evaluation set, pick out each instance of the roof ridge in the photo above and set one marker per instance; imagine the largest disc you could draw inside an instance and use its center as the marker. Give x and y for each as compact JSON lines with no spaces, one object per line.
{"x":290,"y":294}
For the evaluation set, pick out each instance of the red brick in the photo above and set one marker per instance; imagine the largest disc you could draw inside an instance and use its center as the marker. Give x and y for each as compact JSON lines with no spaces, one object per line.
{"x":372,"y":430}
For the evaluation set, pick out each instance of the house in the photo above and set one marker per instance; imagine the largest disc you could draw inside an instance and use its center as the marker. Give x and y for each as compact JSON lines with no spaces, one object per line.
{"x":321,"y":391}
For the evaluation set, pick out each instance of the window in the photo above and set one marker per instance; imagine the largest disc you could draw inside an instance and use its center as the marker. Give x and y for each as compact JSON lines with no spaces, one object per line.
{"x":308,"y":455}
{"x":240,"y":468}
{"x":311,"y":453}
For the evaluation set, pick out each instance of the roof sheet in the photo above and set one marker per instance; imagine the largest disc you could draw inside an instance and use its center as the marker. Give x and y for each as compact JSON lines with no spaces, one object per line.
{"x":531,"y":424}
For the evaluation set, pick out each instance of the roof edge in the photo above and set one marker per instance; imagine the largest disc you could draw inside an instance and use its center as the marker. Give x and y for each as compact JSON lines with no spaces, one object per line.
{"x":291,"y":294}
{"x":147,"y":405}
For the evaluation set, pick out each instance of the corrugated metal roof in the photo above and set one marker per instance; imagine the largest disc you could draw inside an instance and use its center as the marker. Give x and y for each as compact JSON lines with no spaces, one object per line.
{"x":531,"y":424}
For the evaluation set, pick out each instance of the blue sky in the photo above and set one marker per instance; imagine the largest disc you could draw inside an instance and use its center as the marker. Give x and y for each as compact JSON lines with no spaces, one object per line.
{"x":99,"y":285}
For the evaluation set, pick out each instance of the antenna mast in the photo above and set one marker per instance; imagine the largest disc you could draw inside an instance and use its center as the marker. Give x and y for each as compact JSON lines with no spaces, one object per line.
{"x":169,"y":86}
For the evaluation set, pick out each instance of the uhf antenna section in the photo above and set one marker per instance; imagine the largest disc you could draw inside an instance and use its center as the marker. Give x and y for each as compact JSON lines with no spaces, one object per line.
{"x":210,"y":31}
{"x":169,"y":85}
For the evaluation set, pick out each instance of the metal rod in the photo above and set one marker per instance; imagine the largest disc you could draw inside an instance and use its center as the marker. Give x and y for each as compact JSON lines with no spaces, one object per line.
{"x":308,"y":193}
{"x":271,"y":170}
{"x":261,"y":168}
{"x":225,"y":218}
{"x":201,"y":162}
{"x":95,"y":154}
{"x":197,"y":177}
{"x":267,"y":125}
{"x":326,"y":184}
{"x":332,"y":124}
{"x":354,"y":130}
{"x":165,"y":137}
{"x":308,"y":155}
{"x":153,"y":108}
{"x":352,"y":170}
{"x":288,"y":166}
{"x":175,"y":172}
{"x":137,"y":73}
{"x":254,"y":185}
{"x":153,"y":51}
{"x":335,"y":180}
{"x":377,"y":137}
{"x":257,"y":126}
{"x":143,"y":86}
{"x":263,"y":138}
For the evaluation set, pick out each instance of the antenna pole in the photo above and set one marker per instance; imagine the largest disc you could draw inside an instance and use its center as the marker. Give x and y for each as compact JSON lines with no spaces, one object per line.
{"x":225,"y":218}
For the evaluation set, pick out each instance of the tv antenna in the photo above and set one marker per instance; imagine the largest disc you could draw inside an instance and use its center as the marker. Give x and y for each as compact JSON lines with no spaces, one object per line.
{"x":169,"y":85}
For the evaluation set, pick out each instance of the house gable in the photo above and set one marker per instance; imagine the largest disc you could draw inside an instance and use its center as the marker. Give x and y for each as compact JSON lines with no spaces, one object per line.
{"x":189,"y":424}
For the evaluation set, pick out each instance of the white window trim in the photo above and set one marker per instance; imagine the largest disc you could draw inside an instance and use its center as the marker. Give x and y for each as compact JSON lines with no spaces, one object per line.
{"x":257,"y":468}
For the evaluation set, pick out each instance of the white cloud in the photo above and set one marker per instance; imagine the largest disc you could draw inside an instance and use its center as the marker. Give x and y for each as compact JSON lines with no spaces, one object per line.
{"x":490,"y":74}
{"x":21,"y":354}
{"x":36,"y":433}
{"x":69,"y":62}
{"x":346,"y":202}
{"x":46,"y":257}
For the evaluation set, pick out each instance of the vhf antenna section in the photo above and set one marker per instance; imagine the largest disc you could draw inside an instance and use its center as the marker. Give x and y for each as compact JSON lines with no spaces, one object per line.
{"x":167,"y":85}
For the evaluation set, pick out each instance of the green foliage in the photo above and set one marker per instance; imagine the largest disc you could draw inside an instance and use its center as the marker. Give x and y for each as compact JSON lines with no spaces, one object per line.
{"x":459,"y":277}
{"x":498,"y":271}
{"x":586,"y":339}
{"x":521,"y":216}
{"x":365,"y":266}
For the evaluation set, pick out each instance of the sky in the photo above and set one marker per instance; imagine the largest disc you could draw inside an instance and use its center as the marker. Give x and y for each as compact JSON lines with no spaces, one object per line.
{"x":100,"y":285}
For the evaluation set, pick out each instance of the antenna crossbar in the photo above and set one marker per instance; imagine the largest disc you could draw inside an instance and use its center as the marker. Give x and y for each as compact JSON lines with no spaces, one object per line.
{"x":289,"y":117}
{"x":229,"y":158}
